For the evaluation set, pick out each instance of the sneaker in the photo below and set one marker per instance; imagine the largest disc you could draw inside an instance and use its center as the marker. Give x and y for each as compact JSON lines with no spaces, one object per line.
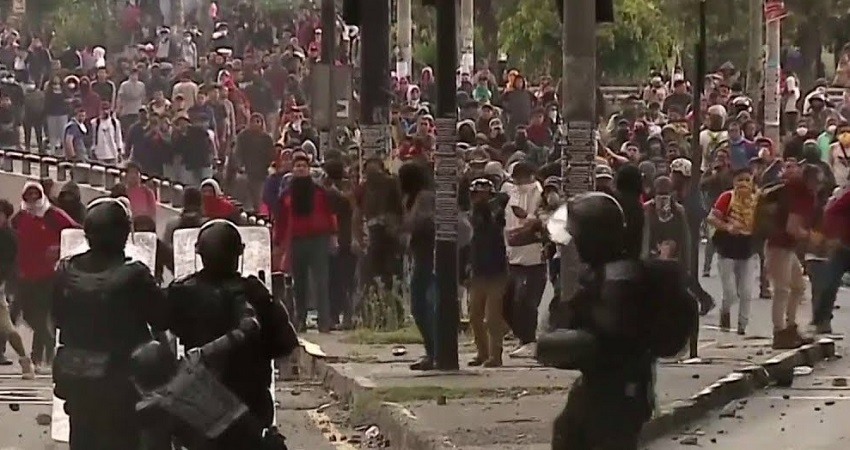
{"x":524,"y":351}
{"x":706,"y":305}
{"x":27,"y":372}
{"x":765,"y":293}
{"x":43,"y":369}
{"x":4,"y":361}
{"x":475,"y":362}
{"x":424,"y":363}
{"x":803,"y":340}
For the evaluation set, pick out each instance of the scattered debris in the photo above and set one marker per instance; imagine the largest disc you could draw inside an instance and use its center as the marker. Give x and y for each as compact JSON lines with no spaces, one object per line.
{"x":713,"y":440}
{"x":829,"y":402}
{"x":14,"y":407}
{"x":785,"y":397}
{"x":441,"y":400}
{"x":801,"y":371}
{"x":817,"y":408}
{"x":695,"y":376}
{"x":690,"y":440}
{"x":521,"y":394}
{"x":399,"y":350}
{"x":839,"y":382}
{"x":43,"y":419}
{"x":372,"y":432}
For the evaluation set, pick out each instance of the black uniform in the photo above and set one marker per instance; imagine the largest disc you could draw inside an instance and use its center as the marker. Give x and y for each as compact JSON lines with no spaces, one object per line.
{"x":102,"y":305}
{"x":206,"y":307}
{"x":612,"y":399}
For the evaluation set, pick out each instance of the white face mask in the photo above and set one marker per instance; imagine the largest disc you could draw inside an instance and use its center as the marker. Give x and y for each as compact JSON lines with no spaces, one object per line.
{"x":553,"y":115}
{"x":831,"y":129}
{"x":802,"y":131}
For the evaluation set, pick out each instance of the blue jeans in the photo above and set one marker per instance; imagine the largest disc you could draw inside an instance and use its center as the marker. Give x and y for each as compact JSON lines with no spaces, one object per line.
{"x":818,"y":276}
{"x":423,"y":304}
{"x":310,"y":260}
{"x":833,"y":271}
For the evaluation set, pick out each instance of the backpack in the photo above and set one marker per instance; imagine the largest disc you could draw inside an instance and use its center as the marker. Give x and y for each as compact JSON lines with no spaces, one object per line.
{"x":672,"y":309}
{"x":771,"y":208}
{"x":94,"y":132}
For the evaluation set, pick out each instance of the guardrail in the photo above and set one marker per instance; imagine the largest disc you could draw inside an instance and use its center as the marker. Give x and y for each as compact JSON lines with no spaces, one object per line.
{"x":96,"y":180}
{"x":616,"y":94}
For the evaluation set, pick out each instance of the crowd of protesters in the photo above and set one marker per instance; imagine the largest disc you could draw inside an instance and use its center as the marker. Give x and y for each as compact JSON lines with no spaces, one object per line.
{"x":226,"y":115}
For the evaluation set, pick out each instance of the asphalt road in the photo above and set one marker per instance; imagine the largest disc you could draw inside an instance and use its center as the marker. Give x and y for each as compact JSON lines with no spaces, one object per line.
{"x":305,"y":414}
{"x":811,"y":415}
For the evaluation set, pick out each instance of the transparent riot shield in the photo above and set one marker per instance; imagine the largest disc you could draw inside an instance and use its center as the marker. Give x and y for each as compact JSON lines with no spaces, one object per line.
{"x":140,"y":247}
{"x":256,"y":260}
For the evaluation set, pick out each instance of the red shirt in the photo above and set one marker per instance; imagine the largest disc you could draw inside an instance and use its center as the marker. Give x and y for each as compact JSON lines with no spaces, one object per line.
{"x":801,"y":201}
{"x":320,"y":222}
{"x":837,"y":218}
{"x":38,"y":242}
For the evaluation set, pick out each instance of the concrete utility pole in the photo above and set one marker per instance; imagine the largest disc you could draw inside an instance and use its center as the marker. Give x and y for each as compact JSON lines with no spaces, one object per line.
{"x":375,"y":89}
{"x":467,"y":35}
{"x":774,"y":11}
{"x":404,"y":38}
{"x":756,"y":50}
{"x":329,"y":38}
{"x":578,"y":110}
{"x":446,"y":187}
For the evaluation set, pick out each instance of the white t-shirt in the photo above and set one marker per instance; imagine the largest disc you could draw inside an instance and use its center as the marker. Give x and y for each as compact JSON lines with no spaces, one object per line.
{"x":708,"y":141}
{"x":527,"y":197}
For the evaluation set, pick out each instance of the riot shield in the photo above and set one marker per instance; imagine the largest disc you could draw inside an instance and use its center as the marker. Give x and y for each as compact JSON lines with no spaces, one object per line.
{"x":256,"y":261}
{"x":140,"y":247}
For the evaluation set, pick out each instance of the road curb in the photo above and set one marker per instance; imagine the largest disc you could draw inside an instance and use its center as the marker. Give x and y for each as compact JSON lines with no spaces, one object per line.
{"x":735,"y":386}
{"x":400,"y":426}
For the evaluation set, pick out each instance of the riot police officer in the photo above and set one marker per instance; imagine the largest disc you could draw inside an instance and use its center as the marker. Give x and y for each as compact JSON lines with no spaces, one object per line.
{"x":214,"y":302}
{"x":611,"y":330}
{"x":102,"y":304}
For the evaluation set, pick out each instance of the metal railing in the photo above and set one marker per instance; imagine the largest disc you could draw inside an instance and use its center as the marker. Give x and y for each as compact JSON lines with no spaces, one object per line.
{"x":102,"y":177}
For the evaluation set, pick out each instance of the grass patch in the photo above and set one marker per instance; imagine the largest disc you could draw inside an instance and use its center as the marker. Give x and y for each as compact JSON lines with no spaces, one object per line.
{"x":403,"y":336}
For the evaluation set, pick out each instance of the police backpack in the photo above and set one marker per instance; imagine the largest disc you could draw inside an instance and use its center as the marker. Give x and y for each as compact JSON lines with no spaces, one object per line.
{"x":672,"y":311}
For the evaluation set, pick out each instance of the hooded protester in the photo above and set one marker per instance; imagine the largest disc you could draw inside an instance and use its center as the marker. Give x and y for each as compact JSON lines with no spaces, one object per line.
{"x":38,"y":226}
{"x":216,"y":205}
{"x":69,"y":200}
{"x":714,"y":133}
{"x":427,"y":85}
{"x":307,"y":229}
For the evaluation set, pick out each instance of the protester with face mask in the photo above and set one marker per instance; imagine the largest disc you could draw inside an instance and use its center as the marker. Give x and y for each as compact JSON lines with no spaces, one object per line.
{"x":665,"y":231}
{"x":38,"y":226}
{"x":307,"y":229}
{"x":733,"y":217}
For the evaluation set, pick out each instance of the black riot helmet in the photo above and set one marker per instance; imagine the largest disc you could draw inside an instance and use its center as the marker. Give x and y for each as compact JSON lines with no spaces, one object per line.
{"x":107,"y":225}
{"x":220,"y":245}
{"x":597,"y":224}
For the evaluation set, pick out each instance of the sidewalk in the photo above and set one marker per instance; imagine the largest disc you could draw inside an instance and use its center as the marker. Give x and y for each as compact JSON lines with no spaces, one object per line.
{"x":513,"y":407}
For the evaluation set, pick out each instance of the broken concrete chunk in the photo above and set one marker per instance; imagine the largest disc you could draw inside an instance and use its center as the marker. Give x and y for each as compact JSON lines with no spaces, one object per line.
{"x":690,"y":440}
